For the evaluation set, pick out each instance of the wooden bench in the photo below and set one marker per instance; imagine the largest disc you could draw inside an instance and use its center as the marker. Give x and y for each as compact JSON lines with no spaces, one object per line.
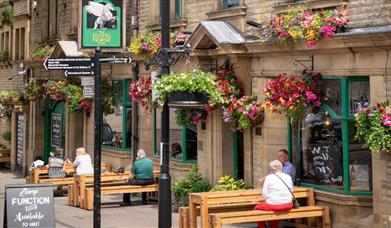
{"x":5,"y":156}
{"x":199,"y":203}
{"x":217,"y":220}
{"x":81,"y":181}
{"x":107,"y":190}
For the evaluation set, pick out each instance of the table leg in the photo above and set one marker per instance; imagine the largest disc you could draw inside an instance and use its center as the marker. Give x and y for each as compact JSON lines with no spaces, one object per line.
{"x":192,"y":213}
{"x":204,"y":212}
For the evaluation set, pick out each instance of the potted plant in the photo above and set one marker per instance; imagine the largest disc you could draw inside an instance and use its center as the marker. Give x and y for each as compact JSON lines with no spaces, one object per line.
{"x":188,"y":116}
{"x":41,"y":53}
{"x":187,"y":89}
{"x":244,"y":112}
{"x":309,"y":25}
{"x":373,"y":125}
{"x":290,"y":95}
{"x":7,"y":16}
{"x":141,"y":91}
{"x":228,"y":183}
{"x":193,"y":182}
{"x":32,"y":89}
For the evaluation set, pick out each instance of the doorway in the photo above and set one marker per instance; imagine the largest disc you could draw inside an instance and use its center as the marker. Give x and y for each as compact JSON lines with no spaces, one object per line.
{"x":238,"y":155}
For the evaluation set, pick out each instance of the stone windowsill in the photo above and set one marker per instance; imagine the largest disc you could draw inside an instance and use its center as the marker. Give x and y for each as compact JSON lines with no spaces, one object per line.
{"x":225,"y":13}
{"x":173,"y":24}
{"x":116,"y":153}
{"x":283,"y":6}
{"x":347,"y":200}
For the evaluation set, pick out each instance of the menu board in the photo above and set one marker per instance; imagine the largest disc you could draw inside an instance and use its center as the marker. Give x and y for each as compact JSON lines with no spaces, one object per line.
{"x":326,"y":162}
{"x":29,"y":206}
{"x":19,"y":141}
{"x":359,"y":177}
{"x":56,"y":130}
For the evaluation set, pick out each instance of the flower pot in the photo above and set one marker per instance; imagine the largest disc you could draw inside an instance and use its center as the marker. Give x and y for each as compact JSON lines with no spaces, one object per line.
{"x":340,"y":29}
{"x":187,"y":100}
{"x":180,"y":201}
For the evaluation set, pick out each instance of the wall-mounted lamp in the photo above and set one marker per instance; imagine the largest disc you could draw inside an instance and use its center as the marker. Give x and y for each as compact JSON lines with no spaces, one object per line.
{"x":34,"y":5}
{"x":254,"y":24}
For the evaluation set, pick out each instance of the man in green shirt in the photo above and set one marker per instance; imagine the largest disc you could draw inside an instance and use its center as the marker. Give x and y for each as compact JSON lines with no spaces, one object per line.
{"x":142,"y":174}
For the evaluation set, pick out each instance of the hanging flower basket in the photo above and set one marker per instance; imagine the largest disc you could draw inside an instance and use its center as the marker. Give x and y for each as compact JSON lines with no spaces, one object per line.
{"x":187,"y":100}
{"x":185,"y":90}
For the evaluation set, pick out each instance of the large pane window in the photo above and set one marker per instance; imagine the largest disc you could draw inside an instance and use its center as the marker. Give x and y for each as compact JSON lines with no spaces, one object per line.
{"x":183,"y":140}
{"x":322,"y":149}
{"x":117,"y":126}
{"x":331,"y":159}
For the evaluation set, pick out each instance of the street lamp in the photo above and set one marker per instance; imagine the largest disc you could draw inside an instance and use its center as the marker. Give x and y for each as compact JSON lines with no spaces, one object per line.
{"x":165,"y":178}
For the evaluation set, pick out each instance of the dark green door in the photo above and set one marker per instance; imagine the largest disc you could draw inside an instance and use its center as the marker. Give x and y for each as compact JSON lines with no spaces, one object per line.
{"x":54,"y":127}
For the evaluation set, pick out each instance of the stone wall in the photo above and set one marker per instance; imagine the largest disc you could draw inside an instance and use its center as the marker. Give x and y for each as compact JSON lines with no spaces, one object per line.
{"x":381,"y":163}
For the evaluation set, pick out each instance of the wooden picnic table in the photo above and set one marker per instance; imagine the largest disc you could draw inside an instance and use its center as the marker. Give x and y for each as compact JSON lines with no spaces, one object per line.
{"x":42,"y":172}
{"x":206,"y":199}
{"x":81,"y":181}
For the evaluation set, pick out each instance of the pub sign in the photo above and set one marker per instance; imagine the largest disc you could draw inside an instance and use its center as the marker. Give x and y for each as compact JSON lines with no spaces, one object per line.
{"x":102,"y":24}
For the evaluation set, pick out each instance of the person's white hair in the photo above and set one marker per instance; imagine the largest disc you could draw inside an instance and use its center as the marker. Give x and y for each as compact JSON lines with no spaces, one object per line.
{"x":276,"y":166}
{"x":141,"y":153}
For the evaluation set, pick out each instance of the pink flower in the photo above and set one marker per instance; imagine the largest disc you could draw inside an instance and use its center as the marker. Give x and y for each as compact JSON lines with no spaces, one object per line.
{"x":310,"y":95}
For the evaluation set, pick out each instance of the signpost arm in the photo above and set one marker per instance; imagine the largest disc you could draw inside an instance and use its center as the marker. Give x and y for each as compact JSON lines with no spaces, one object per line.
{"x":97,"y":138}
{"x":165,"y":178}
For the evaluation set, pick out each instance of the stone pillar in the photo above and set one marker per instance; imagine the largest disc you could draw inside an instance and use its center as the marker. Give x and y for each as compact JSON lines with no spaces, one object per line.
{"x":381,"y":172}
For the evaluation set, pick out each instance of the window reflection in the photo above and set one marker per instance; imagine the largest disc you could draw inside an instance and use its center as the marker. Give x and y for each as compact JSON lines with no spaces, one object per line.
{"x":113,"y":126}
{"x":358,"y":95}
{"x":331,"y":94}
{"x":322,"y":149}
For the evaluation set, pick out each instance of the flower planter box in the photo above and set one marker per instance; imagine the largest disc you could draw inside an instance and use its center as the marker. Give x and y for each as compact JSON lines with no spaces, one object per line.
{"x":187,"y":100}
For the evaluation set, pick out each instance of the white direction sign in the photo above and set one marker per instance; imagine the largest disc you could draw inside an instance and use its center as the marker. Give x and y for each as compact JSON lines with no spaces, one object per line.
{"x":68,"y":64}
{"x":70,"y":73}
{"x":88,"y":92}
{"x":116,"y":60}
{"x":87,"y":81}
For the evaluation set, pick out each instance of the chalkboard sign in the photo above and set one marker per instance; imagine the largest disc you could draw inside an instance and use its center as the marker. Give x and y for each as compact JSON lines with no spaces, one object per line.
{"x":19,"y":141}
{"x":325,"y":161}
{"x":56,"y":131}
{"x":29,"y":206}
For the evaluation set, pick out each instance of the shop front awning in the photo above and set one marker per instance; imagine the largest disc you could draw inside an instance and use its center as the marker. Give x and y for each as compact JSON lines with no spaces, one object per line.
{"x":66,"y":49}
{"x":213,"y":34}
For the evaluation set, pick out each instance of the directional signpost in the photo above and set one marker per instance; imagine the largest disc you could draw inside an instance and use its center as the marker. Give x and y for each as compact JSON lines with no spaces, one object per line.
{"x":89,"y":71}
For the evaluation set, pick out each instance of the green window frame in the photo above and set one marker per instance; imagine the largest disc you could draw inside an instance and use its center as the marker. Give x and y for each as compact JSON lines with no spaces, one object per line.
{"x":156,"y":147}
{"x":126,"y":104}
{"x":230,"y":3}
{"x":346,"y":117}
{"x":178,"y":9}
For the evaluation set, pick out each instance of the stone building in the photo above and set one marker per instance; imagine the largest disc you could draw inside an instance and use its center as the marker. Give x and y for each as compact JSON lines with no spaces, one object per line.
{"x":355,"y":66}
{"x":356,"y":69}
{"x":14,"y":49}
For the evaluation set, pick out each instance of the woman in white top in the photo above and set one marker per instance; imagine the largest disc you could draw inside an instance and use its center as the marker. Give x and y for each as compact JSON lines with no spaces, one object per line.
{"x":83,"y":162}
{"x":276,"y":194}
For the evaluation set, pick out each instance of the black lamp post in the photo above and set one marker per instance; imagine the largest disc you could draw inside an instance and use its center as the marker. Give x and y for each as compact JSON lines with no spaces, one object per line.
{"x":165,"y":178}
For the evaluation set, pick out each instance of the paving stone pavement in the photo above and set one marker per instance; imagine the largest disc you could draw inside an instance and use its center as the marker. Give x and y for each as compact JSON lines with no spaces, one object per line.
{"x":112,"y":215}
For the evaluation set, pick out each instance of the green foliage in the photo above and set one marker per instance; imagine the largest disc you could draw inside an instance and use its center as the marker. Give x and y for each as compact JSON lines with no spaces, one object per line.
{"x":5,"y":55}
{"x":40,"y":53}
{"x":7,"y":16}
{"x":192,"y":183}
{"x":374,"y":127}
{"x":107,"y":96}
{"x":32,"y":89}
{"x":191,"y":82}
{"x":228,"y":183}
{"x":7,"y":136}
{"x":187,"y":117}
{"x":2,"y":146}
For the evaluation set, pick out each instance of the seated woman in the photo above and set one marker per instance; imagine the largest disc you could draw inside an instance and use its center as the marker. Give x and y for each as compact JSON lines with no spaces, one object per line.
{"x":275,"y":192}
{"x":83,"y":162}
{"x":38,"y":162}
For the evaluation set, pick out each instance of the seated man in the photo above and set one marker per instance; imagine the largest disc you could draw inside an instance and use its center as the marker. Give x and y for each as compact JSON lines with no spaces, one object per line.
{"x":141,"y":174}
